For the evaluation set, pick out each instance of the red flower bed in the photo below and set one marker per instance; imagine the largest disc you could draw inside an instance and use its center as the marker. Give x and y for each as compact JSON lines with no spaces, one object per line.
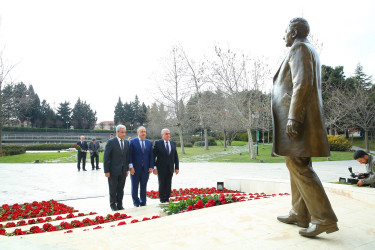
{"x":33,"y":210}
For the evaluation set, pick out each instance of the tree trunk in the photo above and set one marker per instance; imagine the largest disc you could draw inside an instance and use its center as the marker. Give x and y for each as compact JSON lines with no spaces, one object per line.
{"x":1,"y":122}
{"x":205,"y":139}
{"x":367,"y":142}
{"x":181,"y":139}
{"x":225,"y":138}
{"x":251,"y":145}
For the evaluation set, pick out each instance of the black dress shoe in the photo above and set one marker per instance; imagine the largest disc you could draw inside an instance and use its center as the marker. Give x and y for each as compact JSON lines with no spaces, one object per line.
{"x":84,"y":170}
{"x":93,"y":169}
{"x":98,"y":168}
{"x":315,"y":229}
{"x":292,"y":219}
{"x":113,"y":207}
{"x":79,"y":170}
{"x":120,"y":208}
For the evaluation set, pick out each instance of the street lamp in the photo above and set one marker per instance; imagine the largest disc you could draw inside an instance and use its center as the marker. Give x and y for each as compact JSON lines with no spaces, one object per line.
{"x":67,"y":122}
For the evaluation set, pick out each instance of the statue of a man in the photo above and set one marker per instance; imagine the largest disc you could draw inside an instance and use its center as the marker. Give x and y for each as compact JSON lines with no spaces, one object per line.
{"x":299,"y":131}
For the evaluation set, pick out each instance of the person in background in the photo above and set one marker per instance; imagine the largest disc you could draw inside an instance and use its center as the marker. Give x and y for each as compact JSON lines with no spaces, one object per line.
{"x":110,"y":137}
{"x":94,"y":153}
{"x":82,"y":154}
{"x":364,"y":158}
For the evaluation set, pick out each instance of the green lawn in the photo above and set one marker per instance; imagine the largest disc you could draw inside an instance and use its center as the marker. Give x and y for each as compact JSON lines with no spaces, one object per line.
{"x":63,"y":157}
{"x":264,"y":153}
{"x":214,"y":154}
{"x":360,"y":142}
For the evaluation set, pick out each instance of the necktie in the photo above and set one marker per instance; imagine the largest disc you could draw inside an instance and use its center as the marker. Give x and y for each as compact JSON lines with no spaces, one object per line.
{"x":143,"y":146}
{"x":122,"y":145}
{"x":167,"y":147}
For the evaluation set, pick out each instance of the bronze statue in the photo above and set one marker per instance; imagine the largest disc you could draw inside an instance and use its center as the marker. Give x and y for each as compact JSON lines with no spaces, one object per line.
{"x":299,"y":131}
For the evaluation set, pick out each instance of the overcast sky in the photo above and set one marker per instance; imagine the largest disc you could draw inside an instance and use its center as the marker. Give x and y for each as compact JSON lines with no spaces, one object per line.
{"x":100,"y":50}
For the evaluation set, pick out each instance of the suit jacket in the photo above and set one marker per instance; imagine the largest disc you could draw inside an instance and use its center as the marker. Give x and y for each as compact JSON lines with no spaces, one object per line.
{"x":83,"y":146}
{"x":115,"y":161}
{"x":162,"y":160}
{"x":139,"y":159}
{"x":296,"y":95}
{"x":94,"y":147}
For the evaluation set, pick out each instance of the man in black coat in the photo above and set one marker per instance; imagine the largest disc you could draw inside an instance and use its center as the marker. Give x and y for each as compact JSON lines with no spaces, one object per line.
{"x":94,"y":153}
{"x":165,"y":163}
{"x":82,"y":154}
{"x":116,"y":167}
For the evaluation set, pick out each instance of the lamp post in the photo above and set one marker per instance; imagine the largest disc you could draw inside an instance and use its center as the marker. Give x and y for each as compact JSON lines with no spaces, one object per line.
{"x":67,"y":122}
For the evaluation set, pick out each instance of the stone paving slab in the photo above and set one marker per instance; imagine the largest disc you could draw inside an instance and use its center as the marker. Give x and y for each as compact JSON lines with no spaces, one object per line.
{"x":245,"y":225}
{"x":28,"y":182}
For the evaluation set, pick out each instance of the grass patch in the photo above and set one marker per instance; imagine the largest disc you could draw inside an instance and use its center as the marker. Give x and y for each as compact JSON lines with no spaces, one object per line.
{"x":265,"y":155}
{"x":360,"y":142}
{"x":63,"y":157}
{"x":190,"y":153}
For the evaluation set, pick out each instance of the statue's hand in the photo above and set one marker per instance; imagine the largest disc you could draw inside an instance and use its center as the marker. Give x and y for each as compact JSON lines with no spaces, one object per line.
{"x":292,"y":128}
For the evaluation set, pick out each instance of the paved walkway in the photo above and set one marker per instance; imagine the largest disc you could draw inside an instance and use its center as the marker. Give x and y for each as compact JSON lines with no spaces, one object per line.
{"x":246,"y":225}
{"x":28,"y":182}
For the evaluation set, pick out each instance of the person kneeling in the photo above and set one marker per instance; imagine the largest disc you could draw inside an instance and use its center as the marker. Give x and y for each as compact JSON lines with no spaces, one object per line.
{"x":368,"y":177}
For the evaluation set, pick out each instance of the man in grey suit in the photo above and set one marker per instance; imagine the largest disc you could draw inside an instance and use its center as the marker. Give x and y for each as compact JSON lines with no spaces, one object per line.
{"x":116,"y":167}
{"x":299,"y":131}
{"x":94,"y":153}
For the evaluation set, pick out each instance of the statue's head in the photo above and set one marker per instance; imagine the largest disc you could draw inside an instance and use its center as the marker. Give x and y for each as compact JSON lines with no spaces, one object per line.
{"x":297,"y":28}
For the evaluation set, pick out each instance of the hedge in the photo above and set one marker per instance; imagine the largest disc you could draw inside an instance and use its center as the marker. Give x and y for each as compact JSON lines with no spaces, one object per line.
{"x":211,"y":142}
{"x":35,"y":147}
{"x":186,"y":144}
{"x":338,"y":143}
{"x":12,"y":150}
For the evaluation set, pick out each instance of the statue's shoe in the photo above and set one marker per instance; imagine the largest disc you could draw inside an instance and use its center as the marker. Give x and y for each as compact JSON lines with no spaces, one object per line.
{"x":315,"y":229}
{"x":292,"y":219}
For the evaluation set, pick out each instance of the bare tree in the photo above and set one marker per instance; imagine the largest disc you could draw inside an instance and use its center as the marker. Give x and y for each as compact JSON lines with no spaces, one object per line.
{"x":241,"y":79}
{"x":361,"y":107}
{"x":174,"y":91}
{"x":221,"y":115}
{"x":196,"y":81}
{"x":5,"y":70}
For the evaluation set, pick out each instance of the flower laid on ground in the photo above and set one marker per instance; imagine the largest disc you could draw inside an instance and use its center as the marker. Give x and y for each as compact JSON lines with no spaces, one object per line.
{"x":33,"y":210}
{"x":189,"y":192}
{"x":204,"y":201}
{"x":48,"y":227}
{"x":199,"y":202}
{"x":41,"y":220}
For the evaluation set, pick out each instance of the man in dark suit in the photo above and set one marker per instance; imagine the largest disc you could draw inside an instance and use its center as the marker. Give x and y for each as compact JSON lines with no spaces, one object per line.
{"x":141,"y":164}
{"x":299,"y":131}
{"x":165,"y":163}
{"x":82,"y":154}
{"x":94,"y":153}
{"x":116,"y":167}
